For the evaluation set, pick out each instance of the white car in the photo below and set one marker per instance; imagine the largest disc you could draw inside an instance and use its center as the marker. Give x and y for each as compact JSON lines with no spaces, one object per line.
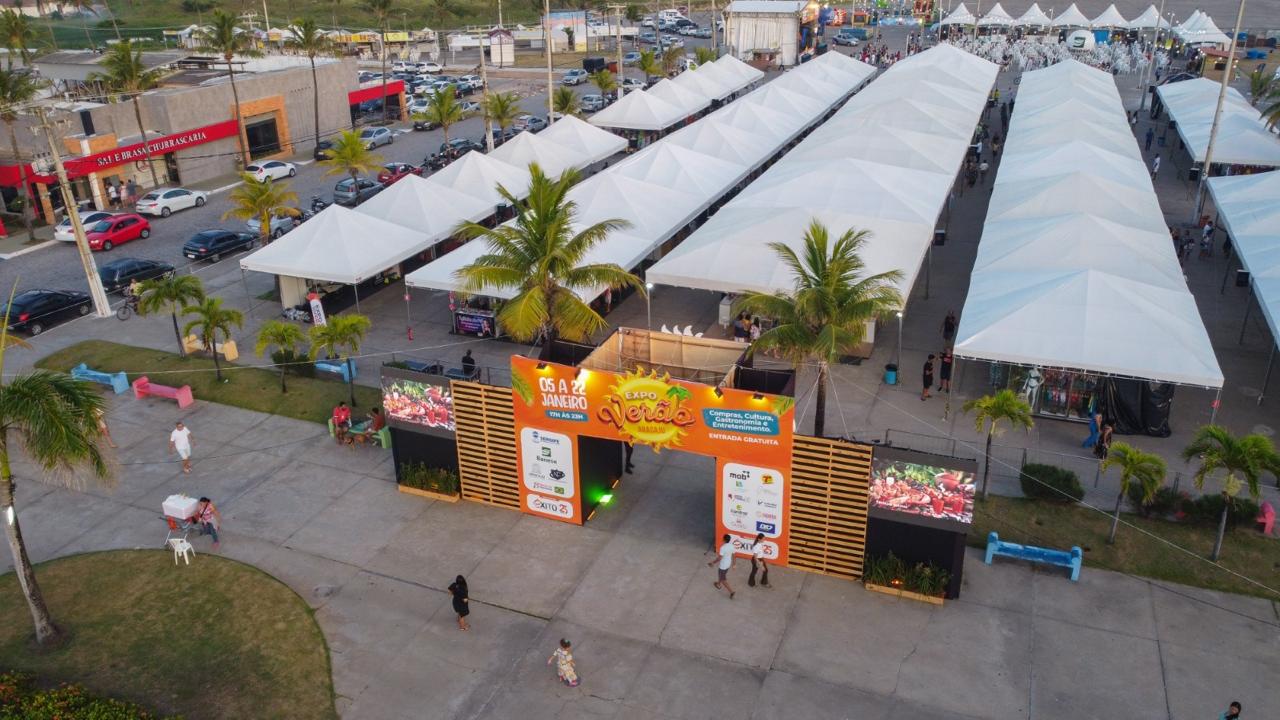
{"x":271,"y":170}
{"x":419,"y":106}
{"x":574,"y":77}
{"x":472,"y":81}
{"x":469,"y":106}
{"x":164,"y":202}
{"x":429,"y":67}
{"x":64,"y":232}
{"x":373,"y":137}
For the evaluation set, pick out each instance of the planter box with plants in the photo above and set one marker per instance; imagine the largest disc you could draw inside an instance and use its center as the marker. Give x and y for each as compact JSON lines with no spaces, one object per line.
{"x":889,"y":574}
{"x":436,"y":483}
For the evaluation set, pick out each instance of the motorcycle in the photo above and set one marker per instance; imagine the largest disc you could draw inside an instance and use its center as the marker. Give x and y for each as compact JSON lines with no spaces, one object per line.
{"x":317,"y":204}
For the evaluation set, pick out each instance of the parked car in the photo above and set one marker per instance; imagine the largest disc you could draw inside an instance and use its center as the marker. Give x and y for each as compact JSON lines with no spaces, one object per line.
{"x":670,"y":42}
{"x":350,"y":192}
{"x":845,"y":37}
{"x":684,"y":22}
{"x":576,"y":76}
{"x":392,"y":172}
{"x":631,"y":58}
{"x":531,"y":123}
{"x":462,"y":146}
{"x":271,"y":170}
{"x":475,"y":82}
{"x":469,"y":106}
{"x":686,"y":30}
{"x":428,"y":67}
{"x":400,"y":65}
{"x":214,"y":244}
{"x":66,"y":233}
{"x":33,"y":311}
{"x":375,"y":136}
{"x":321,"y":151}
{"x":592,"y":103}
{"x":165,"y":202}
{"x":116,"y":230}
{"x":702,"y":32}
{"x":117,"y":274}
{"x":647,"y":37}
{"x":629,"y":84}
{"x":444,"y":86}
{"x":282,"y":221}
{"x":500,"y":137}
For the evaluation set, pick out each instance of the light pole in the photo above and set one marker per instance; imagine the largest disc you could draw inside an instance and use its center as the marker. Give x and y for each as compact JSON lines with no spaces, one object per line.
{"x":1146,"y":76}
{"x":899,"y":361}
{"x":1217,"y":116}
{"x":546,"y":34}
{"x":648,"y":305}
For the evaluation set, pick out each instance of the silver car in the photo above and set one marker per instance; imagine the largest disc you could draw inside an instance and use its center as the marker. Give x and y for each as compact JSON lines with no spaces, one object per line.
{"x":281,"y":222}
{"x":592,"y":103}
{"x":373,"y":137}
{"x":64,"y":232}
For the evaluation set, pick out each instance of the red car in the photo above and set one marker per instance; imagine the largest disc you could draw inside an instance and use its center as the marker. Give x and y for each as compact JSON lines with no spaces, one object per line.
{"x":392,"y":172}
{"x":108,"y":233}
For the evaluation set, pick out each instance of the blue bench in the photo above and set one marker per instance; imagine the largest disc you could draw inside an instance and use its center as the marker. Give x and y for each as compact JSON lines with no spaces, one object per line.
{"x":1072,"y":560}
{"x":117,"y":381}
{"x":337,"y":367}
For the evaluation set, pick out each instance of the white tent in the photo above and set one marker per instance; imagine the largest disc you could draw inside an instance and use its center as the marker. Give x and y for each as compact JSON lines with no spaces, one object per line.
{"x":741,"y":69}
{"x":689,"y":102}
{"x":1075,"y":268}
{"x":1071,"y":17}
{"x":1109,"y":18}
{"x":431,"y":208}
{"x":996,"y":17}
{"x":338,"y":245}
{"x":1249,"y":210}
{"x":1200,"y":29}
{"x":479,"y":175}
{"x":724,"y":74}
{"x":1243,"y":137}
{"x":1149,"y":20}
{"x":640,"y":111}
{"x":959,"y":16}
{"x":1033,"y":17}
{"x":711,"y":85}
{"x":527,"y":148}
{"x":583,"y":139}
{"x":885,"y":162}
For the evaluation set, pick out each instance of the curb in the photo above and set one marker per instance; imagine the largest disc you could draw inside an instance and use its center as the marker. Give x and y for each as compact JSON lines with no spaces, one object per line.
{"x":24,"y":251}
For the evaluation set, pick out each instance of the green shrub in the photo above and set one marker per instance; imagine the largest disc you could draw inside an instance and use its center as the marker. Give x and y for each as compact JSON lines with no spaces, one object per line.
{"x":890,"y":571}
{"x":1049,"y":482}
{"x":1166,"y":501}
{"x":1207,"y":510}
{"x":21,"y":698}
{"x":299,"y":365}
{"x":422,"y":477}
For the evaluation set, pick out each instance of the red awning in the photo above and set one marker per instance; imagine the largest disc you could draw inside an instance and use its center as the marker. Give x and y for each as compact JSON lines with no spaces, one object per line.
{"x":355,"y":97}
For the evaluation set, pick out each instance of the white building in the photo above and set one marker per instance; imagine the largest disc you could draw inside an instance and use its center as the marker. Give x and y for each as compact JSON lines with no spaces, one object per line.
{"x":786,"y":28}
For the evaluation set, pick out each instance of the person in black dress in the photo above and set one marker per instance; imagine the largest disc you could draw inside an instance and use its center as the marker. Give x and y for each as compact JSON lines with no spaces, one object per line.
{"x":928,"y":377}
{"x":461,"y":603}
{"x":944,"y":371}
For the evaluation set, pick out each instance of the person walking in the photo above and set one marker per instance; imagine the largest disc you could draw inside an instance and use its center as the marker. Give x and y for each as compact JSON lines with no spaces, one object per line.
{"x":1103,"y":446}
{"x":949,"y":326}
{"x":1151,"y":136}
{"x":928,"y":377}
{"x":100,"y":415}
{"x":209,"y":519}
{"x":754,"y":332}
{"x":758,"y":563}
{"x":132,"y":193}
{"x":724,"y":558}
{"x":1232,"y":712}
{"x":180,"y":441}
{"x":1155,"y":167}
{"x":565,"y":668}
{"x":944,"y":370}
{"x":461,"y":601}
{"x":468,"y":365}
{"x":113,"y":195}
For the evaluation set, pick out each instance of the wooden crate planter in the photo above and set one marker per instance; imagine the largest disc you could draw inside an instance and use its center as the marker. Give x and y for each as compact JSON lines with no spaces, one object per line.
{"x":906,"y":594}
{"x":427,"y":493}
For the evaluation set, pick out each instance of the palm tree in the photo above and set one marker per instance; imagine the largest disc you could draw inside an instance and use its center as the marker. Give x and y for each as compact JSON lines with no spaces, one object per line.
{"x":53,"y":418}
{"x":604,"y":81}
{"x":1261,"y":85}
{"x":826,"y":315}
{"x":991,"y":410}
{"x":307,"y":37}
{"x":339,"y":333}
{"x":444,"y":110}
{"x":211,"y":321}
{"x":1243,"y":459}
{"x":671,"y":60}
{"x":18,"y":35}
{"x":351,"y":156}
{"x":260,"y":199}
{"x":704,"y":55}
{"x":170,"y":292}
{"x":503,"y":109}
{"x":284,"y":336}
{"x":539,"y":257}
{"x":565,"y":101}
{"x":381,"y":10}
{"x":649,"y":64}
{"x":125,"y":73}
{"x":82,"y":7}
{"x":16,"y":91}
{"x":225,"y":38}
{"x":1271,"y":111}
{"x":1148,"y":469}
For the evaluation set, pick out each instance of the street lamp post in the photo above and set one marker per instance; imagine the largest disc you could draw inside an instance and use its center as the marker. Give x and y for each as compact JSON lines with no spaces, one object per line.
{"x":648,"y":305}
{"x":1217,"y":116}
{"x":1146,"y":76}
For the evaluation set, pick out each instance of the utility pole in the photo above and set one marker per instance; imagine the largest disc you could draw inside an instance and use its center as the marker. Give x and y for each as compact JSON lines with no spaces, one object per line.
{"x":1217,"y":116}
{"x":266,"y":17}
{"x":1155,"y":47}
{"x":617,"y":18}
{"x":484,"y":96}
{"x":546,"y":35}
{"x":100,"y":305}
{"x":499,"y":13}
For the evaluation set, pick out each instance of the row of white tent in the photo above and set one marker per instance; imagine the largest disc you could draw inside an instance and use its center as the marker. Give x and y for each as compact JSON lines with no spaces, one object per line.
{"x":672,"y":100}
{"x":1243,"y":136}
{"x":1249,"y":210}
{"x":1069,"y":18}
{"x":1199,"y":29}
{"x":668,"y":184}
{"x":1075,"y":268}
{"x":886,"y":163}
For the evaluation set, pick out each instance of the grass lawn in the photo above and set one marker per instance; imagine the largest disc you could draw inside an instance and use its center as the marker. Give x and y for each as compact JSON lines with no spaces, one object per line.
{"x":215,"y":639}
{"x":1060,"y":525}
{"x":250,"y":388}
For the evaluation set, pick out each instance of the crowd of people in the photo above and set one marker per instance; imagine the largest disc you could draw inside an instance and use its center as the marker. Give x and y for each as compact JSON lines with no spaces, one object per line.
{"x":1041,"y":51}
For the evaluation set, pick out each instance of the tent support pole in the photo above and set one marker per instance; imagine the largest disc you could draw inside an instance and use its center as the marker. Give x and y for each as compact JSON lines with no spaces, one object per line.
{"x":356,"y":288}
{"x":244,"y":282}
{"x":1266,"y":379}
{"x":1217,"y":400}
{"x":408,"y":319}
{"x":928,"y":271}
{"x":1226,"y":274}
{"x":899,"y":360}
{"x":1248,"y":308}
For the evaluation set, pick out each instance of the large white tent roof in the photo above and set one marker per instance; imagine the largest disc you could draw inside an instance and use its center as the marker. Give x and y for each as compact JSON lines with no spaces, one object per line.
{"x":1249,"y":209}
{"x":428,"y":207}
{"x":1243,"y":138}
{"x":640,"y":110}
{"x":689,"y":102}
{"x":1071,"y":17}
{"x":885,"y":162}
{"x":1109,"y":18}
{"x":1075,"y":268}
{"x":1033,"y":17}
{"x":959,"y":16}
{"x":744,"y":71}
{"x":669,"y":183}
{"x":1149,"y":20}
{"x":584,"y":139}
{"x":527,"y":148}
{"x":1200,"y":29}
{"x":479,"y":175}
{"x":997,"y":17}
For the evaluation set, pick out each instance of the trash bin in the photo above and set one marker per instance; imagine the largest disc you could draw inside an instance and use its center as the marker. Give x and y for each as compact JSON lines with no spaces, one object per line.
{"x":1242,"y":278}
{"x":891,"y":374}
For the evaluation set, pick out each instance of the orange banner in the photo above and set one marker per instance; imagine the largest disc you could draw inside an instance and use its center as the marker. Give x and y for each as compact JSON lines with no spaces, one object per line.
{"x":749,"y":434}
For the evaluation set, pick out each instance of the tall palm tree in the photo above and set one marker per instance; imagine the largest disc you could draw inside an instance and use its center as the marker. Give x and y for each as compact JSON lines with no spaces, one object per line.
{"x":540,"y":257}
{"x":605,"y":81}
{"x":53,"y":419}
{"x":211,"y":321}
{"x":1242,"y":459}
{"x":225,"y":38}
{"x":260,"y":199}
{"x":168,"y":293}
{"x":444,"y":110}
{"x":284,"y":336}
{"x":503,"y":109}
{"x":350,"y":156}
{"x":339,"y":334}
{"x":565,"y":101}
{"x":671,"y":60}
{"x":1271,"y":109}
{"x":1147,"y":469}
{"x":17,"y":89}
{"x":1261,"y":85}
{"x":18,"y":35}
{"x":125,"y":73}
{"x":82,"y":7}
{"x":826,"y":315}
{"x":989,"y":411}
{"x":381,"y":10}
{"x":307,"y":37}
{"x":649,"y":64}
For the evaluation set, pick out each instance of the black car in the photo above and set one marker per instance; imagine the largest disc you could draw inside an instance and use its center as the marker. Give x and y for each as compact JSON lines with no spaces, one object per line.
{"x":500,"y":136}
{"x":213,"y":244}
{"x":322,"y":150}
{"x":35,"y":310}
{"x":119,"y":273}
{"x":460,"y":146}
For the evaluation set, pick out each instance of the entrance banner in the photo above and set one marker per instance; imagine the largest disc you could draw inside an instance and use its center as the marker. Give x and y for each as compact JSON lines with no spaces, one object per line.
{"x":158,"y":146}
{"x":749,"y":434}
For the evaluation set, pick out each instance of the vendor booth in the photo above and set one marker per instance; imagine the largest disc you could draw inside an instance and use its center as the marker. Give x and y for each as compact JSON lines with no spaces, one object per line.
{"x":1243,"y":140}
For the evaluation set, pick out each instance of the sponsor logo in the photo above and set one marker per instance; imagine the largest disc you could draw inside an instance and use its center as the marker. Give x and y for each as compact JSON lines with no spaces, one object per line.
{"x":549,"y":506}
{"x":557,"y":474}
{"x":766,"y":528}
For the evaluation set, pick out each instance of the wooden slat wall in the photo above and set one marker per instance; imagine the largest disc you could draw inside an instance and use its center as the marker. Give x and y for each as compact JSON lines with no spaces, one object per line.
{"x":829,"y":484}
{"x":486,"y":444}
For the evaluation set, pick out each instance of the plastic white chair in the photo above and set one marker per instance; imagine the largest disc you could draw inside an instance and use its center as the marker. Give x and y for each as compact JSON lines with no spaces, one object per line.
{"x":688,"y":330}
{"x":698,"y":335}
{"x":181,"y":548}
{"x":665,"y":330}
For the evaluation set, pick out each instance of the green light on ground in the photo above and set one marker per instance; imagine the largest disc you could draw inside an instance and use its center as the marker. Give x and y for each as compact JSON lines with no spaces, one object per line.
{"x":606,"y":498}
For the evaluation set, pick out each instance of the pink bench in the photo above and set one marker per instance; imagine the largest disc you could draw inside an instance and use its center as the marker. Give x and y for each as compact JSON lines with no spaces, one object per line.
{"x":143,"y":387}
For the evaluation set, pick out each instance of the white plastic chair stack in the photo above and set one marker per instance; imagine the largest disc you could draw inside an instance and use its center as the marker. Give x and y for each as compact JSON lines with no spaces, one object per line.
{"x":181,"y":548}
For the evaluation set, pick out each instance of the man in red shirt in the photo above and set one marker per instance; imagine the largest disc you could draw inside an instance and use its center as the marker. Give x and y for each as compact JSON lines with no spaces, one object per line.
{"x":341,"y":422}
